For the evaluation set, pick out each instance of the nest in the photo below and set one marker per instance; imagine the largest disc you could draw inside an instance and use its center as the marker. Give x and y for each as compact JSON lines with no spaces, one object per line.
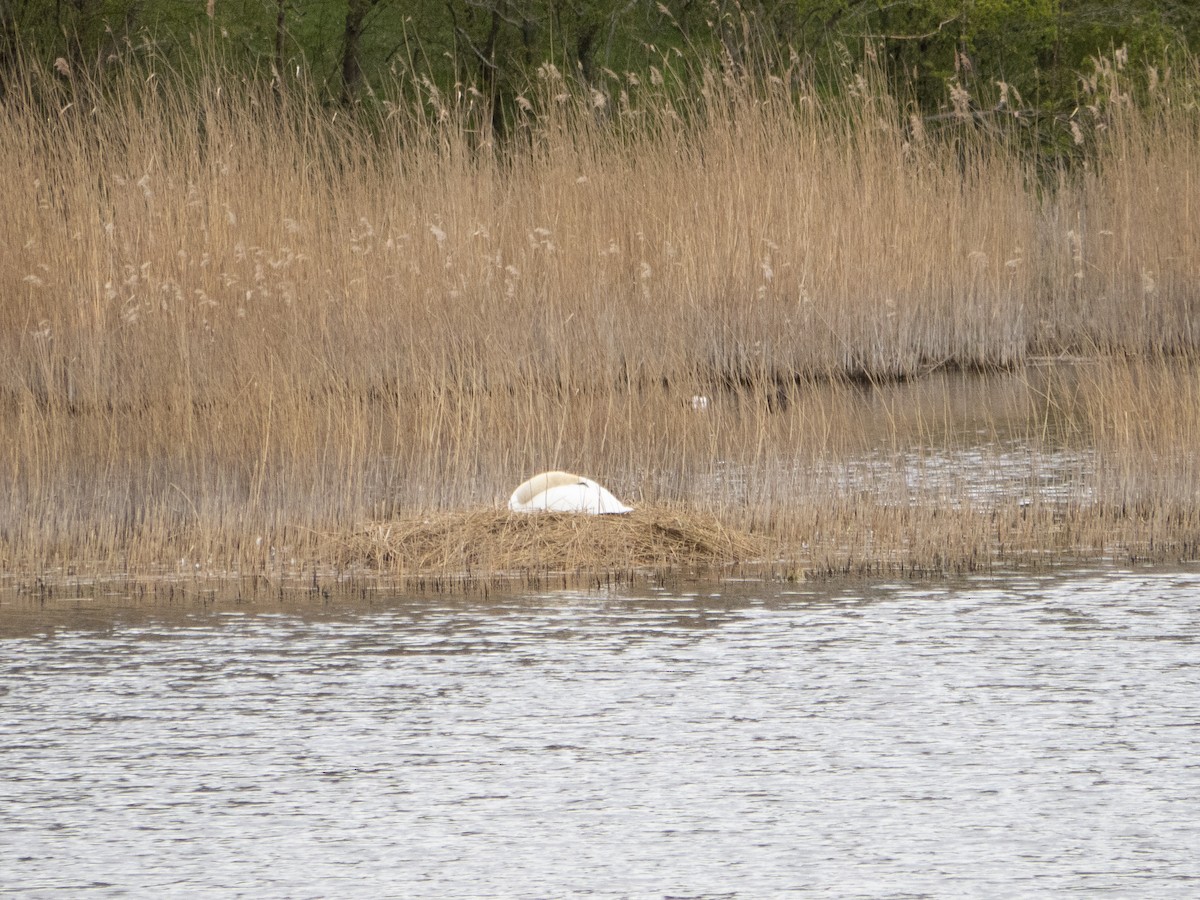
{"x":499,"y":542}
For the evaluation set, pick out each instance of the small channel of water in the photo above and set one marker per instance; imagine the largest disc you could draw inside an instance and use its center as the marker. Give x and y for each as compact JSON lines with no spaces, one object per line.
{"x":1021,"y":736}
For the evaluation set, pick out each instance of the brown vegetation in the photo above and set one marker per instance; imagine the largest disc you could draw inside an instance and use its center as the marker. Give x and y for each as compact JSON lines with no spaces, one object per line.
{"x":235,"y":327}
{"x":490,"y":542}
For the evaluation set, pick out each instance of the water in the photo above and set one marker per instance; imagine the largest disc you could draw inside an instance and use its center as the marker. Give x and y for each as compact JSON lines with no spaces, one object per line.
{"x":1009,"y":737}
{"x":989,"y":474}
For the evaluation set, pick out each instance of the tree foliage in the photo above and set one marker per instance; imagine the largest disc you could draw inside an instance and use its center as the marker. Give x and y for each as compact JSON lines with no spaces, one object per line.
{"x":1034,"y":50}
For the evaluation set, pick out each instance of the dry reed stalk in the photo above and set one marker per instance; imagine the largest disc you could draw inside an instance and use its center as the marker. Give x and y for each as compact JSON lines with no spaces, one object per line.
{"x":221,"y":341}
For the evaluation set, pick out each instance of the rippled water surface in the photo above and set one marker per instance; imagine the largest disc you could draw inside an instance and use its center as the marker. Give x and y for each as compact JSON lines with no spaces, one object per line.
{"x":1005,"y":737}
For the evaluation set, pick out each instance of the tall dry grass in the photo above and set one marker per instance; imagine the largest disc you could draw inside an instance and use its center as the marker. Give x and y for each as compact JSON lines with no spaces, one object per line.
{"x":233,"y":322}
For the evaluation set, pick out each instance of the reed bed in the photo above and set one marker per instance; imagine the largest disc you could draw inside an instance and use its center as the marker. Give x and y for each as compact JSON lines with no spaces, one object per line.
{"x":240,"y":332}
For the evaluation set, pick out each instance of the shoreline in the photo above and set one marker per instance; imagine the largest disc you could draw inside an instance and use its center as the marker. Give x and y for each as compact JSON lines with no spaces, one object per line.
{"x":477,"y":551}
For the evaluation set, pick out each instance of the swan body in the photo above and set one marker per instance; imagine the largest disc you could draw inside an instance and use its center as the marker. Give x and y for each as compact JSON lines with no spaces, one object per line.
{"x":565,"y":492}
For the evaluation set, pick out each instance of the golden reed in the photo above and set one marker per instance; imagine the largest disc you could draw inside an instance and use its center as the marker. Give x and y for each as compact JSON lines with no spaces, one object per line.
{"x":240,"y":331}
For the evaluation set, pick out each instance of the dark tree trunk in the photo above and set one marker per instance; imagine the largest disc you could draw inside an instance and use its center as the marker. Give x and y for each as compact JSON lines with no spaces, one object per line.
{"x":356,"y":15}
{"x":279,"y":28}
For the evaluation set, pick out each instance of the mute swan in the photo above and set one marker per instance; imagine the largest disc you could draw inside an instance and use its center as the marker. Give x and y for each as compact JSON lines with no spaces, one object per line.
{"x":564,"y":492}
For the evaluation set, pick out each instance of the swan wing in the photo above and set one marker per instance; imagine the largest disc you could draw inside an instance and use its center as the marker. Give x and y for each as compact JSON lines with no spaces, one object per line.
{"x":600,"y":502}
{"x":566,"y":498}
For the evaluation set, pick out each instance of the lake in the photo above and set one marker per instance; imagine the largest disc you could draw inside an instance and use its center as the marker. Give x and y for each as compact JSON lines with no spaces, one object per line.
{"x":1019,"y":735}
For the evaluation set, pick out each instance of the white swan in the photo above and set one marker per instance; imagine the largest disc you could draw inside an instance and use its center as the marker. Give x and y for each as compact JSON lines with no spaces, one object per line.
{"x":564,"y":492}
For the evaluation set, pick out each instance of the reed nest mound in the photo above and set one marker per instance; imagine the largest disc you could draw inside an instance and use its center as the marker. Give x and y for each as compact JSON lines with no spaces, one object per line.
{"x":499,"y":542}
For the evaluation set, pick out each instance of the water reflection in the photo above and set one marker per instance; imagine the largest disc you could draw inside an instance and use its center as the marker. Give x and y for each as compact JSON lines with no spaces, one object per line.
{"x":1016,"y":736}
{"x":959,"y":438}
